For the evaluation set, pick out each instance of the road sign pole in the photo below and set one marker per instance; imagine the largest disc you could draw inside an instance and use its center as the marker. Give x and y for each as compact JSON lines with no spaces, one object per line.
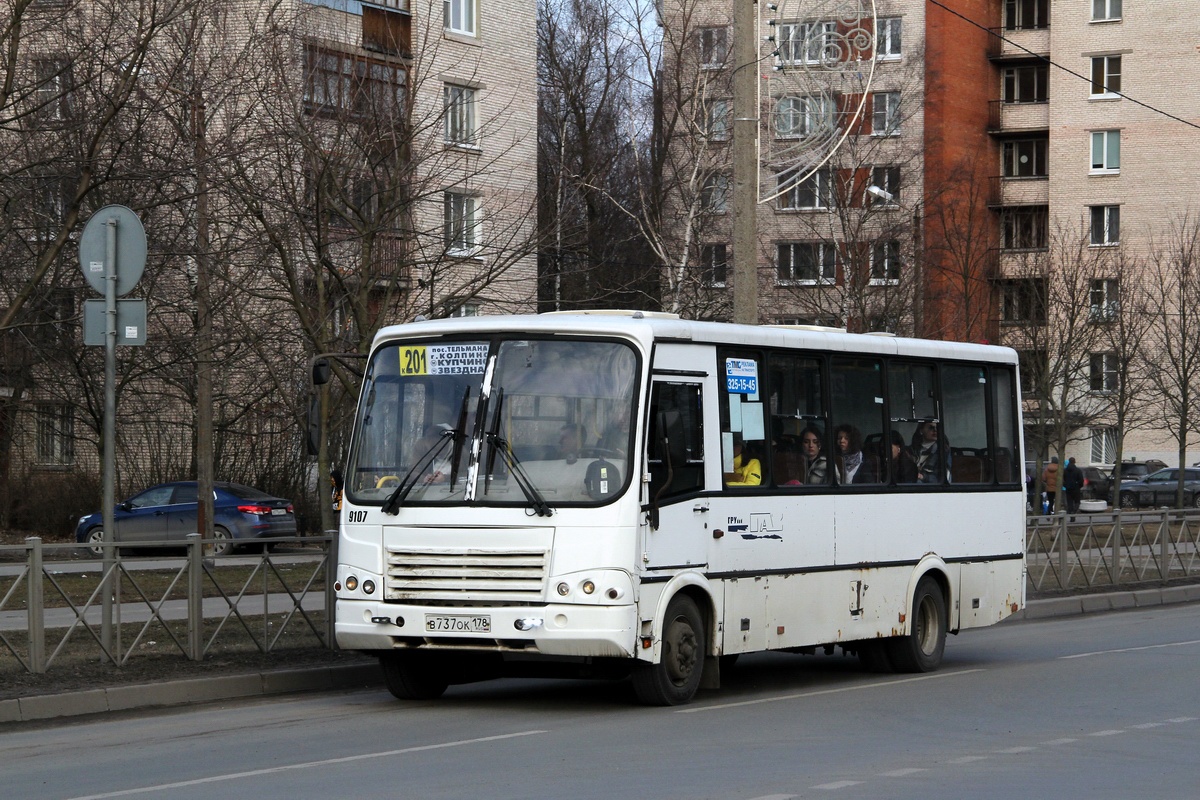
{"x":110,"y":428}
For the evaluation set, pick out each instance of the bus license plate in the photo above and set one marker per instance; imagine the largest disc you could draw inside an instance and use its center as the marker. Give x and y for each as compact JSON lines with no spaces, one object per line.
{"x":457,"y":623}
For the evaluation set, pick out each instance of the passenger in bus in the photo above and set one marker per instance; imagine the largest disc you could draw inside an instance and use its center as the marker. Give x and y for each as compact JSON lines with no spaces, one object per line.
{"x":570,"y":442}
{"x":815,"y":466}
{"x":927,"y":451}
{"x":902,"y":465}
{"x":747,"y":470}
{"x":853,"y":466}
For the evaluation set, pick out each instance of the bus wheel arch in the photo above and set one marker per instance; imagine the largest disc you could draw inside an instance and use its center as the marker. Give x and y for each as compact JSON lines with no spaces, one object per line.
{"x":921,"y":647}
{"x":675,"y":676}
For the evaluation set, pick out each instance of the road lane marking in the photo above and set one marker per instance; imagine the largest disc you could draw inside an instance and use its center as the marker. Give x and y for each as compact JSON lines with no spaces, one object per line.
{"x":1147,"y":725}
{"x":776,"y":797}
{"x":1183,"y":719}
{"x":1129,"y":649}
{"x":1106,"y":733}
{"x":903,"y":773}
{"x":967,"y":759}
{"x":819,"y":692}
{"x":303,"y":765}
{"x":829,"y":787}
{"x":1015,"y":750}
{"x":1061,"y":741}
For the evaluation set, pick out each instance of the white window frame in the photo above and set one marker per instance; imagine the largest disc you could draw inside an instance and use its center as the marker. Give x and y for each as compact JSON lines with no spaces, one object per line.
{"x":466,"y":310}
{"x":712,"y":256}
{"x":798,"y":116}
{"x":1019,"y":151}
{"x":1106,"y":10}
{"x":1104,"y":297}
{"x":1108,"y":375}
{"x":461,"y":223}
{"x":716,"y":119}
{"x":1039,"y":88}
{"x":459,"y":103}
{"x":1106,"y":152}
{"x":1014,"y":15}
{"x":807,"y":42}
{"x":886,"y":262}
{"x":1104,"y":445}
{"x":1108,"y":70}
{"x":1104,"y":223}
{"x":825,"y":258}
{"x":817,"y":187}
{"x":889,"y":179}
{"x":458,"y":16}
{"x":885,"y":109}
{"x":714,"y":47}
{"x":888,"y":39}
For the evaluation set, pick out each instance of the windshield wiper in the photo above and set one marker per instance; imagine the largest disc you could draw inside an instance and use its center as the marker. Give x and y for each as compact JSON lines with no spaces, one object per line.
{"x":423,"y":462}
{"x":500,"y":445}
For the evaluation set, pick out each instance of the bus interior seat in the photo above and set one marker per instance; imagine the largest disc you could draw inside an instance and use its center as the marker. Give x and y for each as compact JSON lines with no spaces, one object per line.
{"x":966,"y":467}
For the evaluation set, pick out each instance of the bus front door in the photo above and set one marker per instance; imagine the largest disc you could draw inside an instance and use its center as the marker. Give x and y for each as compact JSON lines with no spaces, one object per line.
{"x":677,"y":523}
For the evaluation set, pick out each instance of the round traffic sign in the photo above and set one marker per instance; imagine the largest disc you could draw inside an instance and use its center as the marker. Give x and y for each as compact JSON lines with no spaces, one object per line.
{"x":130,"y":249}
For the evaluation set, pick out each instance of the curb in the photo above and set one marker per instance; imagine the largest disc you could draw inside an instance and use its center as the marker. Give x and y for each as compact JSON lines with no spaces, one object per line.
{"x":357,"y":676}
{"x":187,"y":692}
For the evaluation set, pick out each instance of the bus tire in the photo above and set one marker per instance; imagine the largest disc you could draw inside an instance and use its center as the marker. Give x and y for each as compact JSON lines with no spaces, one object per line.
{"x":873,"y":655}
{"x":410,"y":677}
{"x":921,"y":650}
{"x":675,"y":678}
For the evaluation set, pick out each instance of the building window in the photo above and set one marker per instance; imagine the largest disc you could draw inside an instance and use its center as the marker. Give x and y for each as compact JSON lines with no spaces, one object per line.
{"x":716,"y":120}
{"x":1106,"y":151}
{"x":1106,"y":75}
{"x":886,"y":179}
{"x":1025,"y":14}
{"x":713,"y":47}
{"x":1025,"y":158}
{"x":342,"y":82}
{"x":459,"y":16}
{"x":1026,"y":84}
{"x":1106,"y":10}
{"x":460,"y":114}
{"x":1023,"y":300}
{"x":55,"y":434}
{"x":466,"y":310}
{"x":819,"y":321}
{"x":806,"y":262}
{"x":1106,"y":224}
{"x":814,"y":191}
{"x":887,"y":38}
{"x":461,"y":217}
{"x":714,"y":265}
{"x":800,"y":116}
{"x":885,"y":113}
{"x":1105,"y":299}
{"x":1025,"y":228}
{"x":714,"y":196}
{"x":53,"y":93}
{"x":1104,"y":445}
{"x":808,"y":42}
{"x":1033,"y":367}
{"x":885,"y":263}
{"x":1104,"y":372}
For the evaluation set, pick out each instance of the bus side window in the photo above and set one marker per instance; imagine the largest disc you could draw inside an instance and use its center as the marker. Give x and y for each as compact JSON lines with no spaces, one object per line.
{"x":856,"y":397}
{"x":676,"y":443}
{"x":965,"y":439}
{"x":745,"y":458}
{"x":1004,"y":429}
{"x":797,"y":416}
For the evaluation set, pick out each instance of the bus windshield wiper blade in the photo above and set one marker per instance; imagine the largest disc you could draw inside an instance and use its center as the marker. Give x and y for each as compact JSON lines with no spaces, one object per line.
{"x":540,"y":506}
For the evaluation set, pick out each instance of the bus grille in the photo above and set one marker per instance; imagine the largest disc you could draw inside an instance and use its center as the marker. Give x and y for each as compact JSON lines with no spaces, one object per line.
{"x":475,"y":576}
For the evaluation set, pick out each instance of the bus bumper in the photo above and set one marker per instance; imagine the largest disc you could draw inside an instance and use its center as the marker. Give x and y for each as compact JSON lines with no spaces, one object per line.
{"x":556,"y":629}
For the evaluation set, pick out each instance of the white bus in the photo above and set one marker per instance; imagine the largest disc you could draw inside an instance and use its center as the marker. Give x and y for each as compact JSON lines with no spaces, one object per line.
{"x":561,"y":494}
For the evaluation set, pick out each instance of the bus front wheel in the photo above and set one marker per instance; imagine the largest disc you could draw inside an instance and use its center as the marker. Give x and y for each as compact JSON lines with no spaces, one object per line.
{"x":921,"y":650}
{"x":676,"y":677}
{"x":408,"y":676}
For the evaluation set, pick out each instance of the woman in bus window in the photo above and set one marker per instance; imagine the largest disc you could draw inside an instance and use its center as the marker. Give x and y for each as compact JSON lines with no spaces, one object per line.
{"x":903,"y":465}
{"x":816,"y":468}
{"x":747,"y":470}
{"x":853,"y":466}
{"x":927,"y":451}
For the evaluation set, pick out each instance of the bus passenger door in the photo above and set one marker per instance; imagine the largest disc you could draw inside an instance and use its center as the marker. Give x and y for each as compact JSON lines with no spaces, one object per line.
{"x":675,"y":462}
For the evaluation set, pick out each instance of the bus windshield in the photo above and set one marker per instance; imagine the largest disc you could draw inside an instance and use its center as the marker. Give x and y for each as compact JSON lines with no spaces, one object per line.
{"x":495,"y":421}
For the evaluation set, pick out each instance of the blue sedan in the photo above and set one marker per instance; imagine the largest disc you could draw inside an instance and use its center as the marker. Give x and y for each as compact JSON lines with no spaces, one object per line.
{"x":168,"y":512}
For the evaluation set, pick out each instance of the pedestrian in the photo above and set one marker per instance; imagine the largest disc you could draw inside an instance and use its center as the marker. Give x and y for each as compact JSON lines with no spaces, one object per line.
{"x":1072,"y":481}
{"x":1050,"y":483}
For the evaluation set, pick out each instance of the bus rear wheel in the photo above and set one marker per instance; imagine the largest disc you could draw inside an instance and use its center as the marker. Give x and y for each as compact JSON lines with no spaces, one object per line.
{"x":410,"y":676}
{"x":676,"y":677}
{"x":921,"y":650}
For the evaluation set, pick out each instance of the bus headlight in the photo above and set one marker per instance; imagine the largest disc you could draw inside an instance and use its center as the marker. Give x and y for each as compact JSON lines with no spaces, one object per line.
{"x":563,"y":589}
{"x":369,"y":587}
{"x":351,"y":582}
{"x":588,"y":587}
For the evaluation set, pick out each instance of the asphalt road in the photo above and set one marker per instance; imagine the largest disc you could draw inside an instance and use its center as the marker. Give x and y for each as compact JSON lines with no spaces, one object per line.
{"x":1099,"y":706}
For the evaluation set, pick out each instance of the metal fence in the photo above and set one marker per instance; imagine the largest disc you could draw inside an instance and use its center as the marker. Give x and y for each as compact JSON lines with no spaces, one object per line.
{"x":55,"y":608}
{"x":198,"y":603}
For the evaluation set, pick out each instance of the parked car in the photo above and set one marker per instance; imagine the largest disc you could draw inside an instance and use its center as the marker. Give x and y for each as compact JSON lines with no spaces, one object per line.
{"x":168,"y":512}
{"x":1159,"y":489}
{"x":1096,"y":483}
{"x":1132,"y":470}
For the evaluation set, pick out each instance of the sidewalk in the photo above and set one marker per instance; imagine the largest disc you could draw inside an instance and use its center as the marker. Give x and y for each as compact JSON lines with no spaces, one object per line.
{"x":356,"y":676}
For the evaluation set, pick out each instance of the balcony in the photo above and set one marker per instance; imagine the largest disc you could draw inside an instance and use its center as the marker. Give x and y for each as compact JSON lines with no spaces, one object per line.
{"x":1024,"y":191}
{"x":1018,"y":117}
{"x":1018,"y":44}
